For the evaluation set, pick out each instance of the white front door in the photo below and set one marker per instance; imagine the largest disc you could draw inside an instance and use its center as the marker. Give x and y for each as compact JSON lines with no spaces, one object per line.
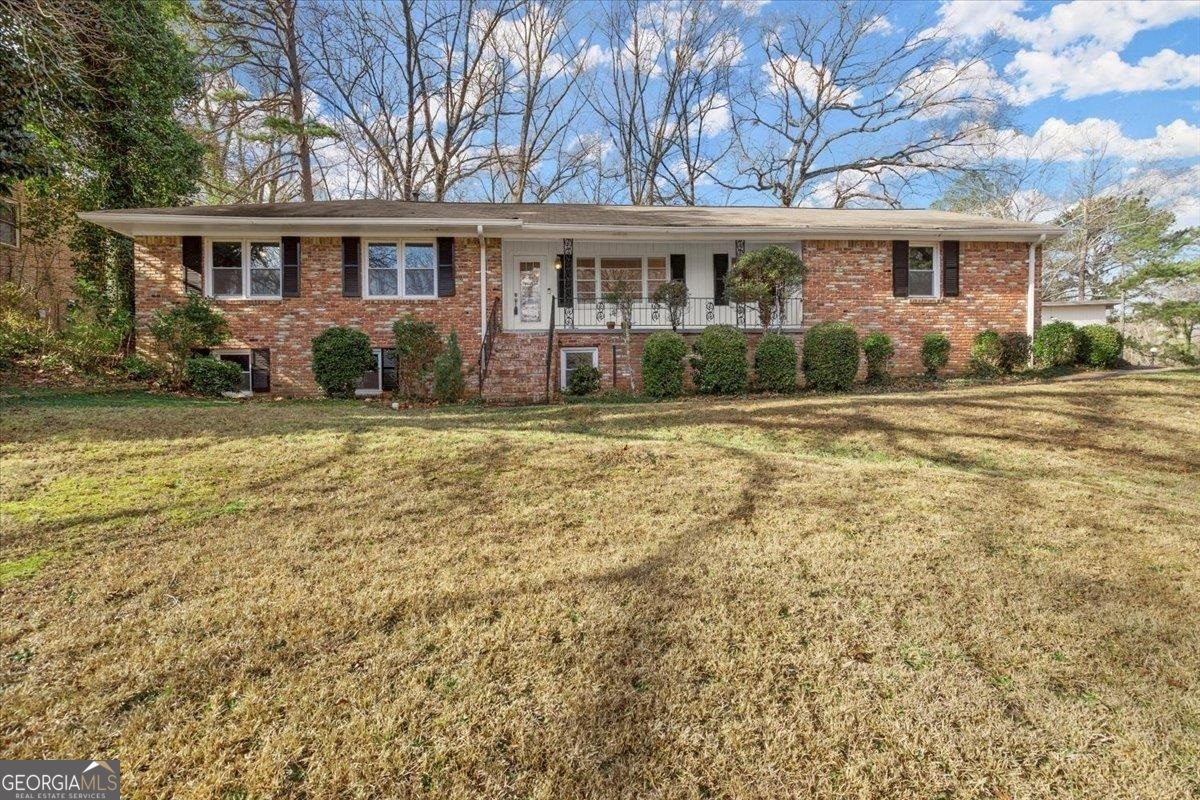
{"x":527,"y":294}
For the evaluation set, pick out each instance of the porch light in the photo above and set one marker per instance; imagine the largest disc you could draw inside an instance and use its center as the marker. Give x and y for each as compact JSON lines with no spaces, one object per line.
{"x":558,"y":262}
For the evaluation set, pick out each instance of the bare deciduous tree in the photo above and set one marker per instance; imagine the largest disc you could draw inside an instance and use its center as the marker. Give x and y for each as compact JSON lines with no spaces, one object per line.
{"x":839,"y":96}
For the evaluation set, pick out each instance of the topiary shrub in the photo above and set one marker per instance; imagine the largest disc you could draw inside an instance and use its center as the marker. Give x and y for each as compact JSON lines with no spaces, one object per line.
{"x":340,"y":357}
{"x":1014,"y":355}
{"x":1100,"y":346}
{"x":662,"y":364}
{"x":935,"y":353}
{"x":719,"y":363}
{"x":1056,"y":344}
{"x":775,"y":363}
{"x":673,"y":295}
{"x":417,"y":345}
{"x":987,"y":354}
{"x":448,"y":381}
{"x":181,"y":329}
{"x":212,"y":376}
{"x":831,"y":357}
{"x":584,"y":380}
{"x":878,"y":349}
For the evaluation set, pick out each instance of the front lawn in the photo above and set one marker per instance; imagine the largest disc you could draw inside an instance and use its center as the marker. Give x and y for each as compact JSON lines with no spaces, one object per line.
{"x":989,"y":592}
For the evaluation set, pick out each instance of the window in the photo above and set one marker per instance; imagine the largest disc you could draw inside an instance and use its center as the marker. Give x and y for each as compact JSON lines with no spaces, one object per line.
{"x":574,"y":357}
{"x":922,"y":269}
{"x":9,"y":223}
{"x":243,"y":361}
{"x":393,"y":267}
{"x":238,"y":266}
{"x":382,"y":377}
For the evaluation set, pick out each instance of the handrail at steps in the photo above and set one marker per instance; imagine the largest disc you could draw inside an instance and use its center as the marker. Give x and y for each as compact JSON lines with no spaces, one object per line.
{"x":550,"y":348}
{"x":489,"y":340}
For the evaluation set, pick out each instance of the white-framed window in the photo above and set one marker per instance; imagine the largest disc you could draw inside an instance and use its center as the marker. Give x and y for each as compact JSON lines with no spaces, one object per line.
{"x":243,"y":359}
{"x":245,"y":268}
{"x":571,"y":358}
{"x":924,"y":269}
{"x":405,"y":269}
{"x":380,"y":378}
{"x":10,"y":222}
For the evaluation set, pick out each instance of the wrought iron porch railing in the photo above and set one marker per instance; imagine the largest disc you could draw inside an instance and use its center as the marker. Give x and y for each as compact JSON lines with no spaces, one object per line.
{"x":699,"y":312}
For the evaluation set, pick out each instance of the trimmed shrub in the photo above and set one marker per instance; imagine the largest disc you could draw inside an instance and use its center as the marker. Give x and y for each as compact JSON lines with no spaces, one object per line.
{"x":417,"y":345}
{"x":719,"y":363}
{"x":987,"y":354}
{"x":584,"y":380}
{"x":1014,"y":355}
{"x":340,"y":357}
{"x":831,"y":357}
{"x":448,"y":381}
{"x":775,"y":363}
{"x":878,"y":349}
{"x":181,"y":329}
{"x":1056,"y":344}
{"x":212,"y":376}
{"x":662,"y":364}
{"x":1100,"y":346}
{"x":935,"y":353}
{"x":673,"y":295}
{"x":137,"y":368}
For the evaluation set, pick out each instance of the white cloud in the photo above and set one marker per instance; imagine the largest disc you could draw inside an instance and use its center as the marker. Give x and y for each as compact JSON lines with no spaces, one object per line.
{"x":1177,"y":191}
{"x":1075,"y":49}
{"x":795,"y":75}
{"x":1058,"y":140}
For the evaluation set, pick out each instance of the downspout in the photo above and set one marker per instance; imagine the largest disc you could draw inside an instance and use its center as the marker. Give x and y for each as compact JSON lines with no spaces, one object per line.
{"x":483,"y":304}
{"x":1031,"y":289}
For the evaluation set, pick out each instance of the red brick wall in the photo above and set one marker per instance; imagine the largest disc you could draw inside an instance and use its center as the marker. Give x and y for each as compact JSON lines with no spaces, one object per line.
{"x":848,"y":281}
{"x":851,"y":281}
{"x":288,"y":326}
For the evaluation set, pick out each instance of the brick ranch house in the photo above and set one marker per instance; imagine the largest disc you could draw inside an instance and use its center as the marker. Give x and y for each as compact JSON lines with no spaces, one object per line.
{"x":523,"y":285}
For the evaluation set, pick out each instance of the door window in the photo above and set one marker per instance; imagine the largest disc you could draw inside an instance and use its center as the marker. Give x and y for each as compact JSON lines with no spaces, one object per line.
{"x":529,"y":291}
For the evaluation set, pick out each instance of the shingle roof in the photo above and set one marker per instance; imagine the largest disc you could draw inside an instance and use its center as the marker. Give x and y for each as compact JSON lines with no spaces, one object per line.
{"x":549,"y":216}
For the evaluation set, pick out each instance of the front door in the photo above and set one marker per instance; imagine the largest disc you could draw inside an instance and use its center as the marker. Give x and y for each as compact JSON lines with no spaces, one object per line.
{"x":528,"y":292}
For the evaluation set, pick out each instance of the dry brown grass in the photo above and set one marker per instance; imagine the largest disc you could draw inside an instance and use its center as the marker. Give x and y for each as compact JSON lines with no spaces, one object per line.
{"x":983,"y":593}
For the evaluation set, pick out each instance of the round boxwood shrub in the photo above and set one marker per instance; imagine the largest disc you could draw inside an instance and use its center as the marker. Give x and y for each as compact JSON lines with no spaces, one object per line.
{"x":1100,"y":346}
{"x":584,"y":380}
{"x":212,"y":376}
{"x":137,"y":368}
{"x":662,"y":364}
{"x":340,"y":357}
{"x":878,"y":349}
{"x":719,"y":362}
{"x":935,"y":353}
{"x":1056,"y":344}
{"x":1014,"y":351}
{"x":831,"y":357}
{"x":775,"y":363}
{"x":987,"y":354}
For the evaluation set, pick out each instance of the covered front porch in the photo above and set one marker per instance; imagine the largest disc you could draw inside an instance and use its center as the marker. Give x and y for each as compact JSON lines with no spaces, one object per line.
{"x":574,"y":282}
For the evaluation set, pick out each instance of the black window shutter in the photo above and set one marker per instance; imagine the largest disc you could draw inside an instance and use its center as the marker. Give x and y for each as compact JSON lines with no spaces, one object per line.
{"x":679,"y":267}
{"x":193,"y":265}
{"x":291,"y":266}
{"x":351,"y":270}
{"x":950,"y":269}
{"x":445,"y":266}
{"x":260,"y":370}
{"x":388,"y":379}
{"x":900,"y":268}
{"x":566,"y":280}
{"x":720,"y":271}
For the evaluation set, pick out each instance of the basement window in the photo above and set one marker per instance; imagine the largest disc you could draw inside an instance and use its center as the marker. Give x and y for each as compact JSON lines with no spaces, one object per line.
{"x":381,"y":377}
{"x":572,"y":358}
{"x":10,"y":229}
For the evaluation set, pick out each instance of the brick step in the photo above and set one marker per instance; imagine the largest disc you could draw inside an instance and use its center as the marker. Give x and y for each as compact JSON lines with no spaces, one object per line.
{"x":517,"y":369}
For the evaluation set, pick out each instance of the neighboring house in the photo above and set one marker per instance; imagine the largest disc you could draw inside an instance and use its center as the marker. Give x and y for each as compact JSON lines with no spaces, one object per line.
{"x":1081,"y":312}
{"x":524,"y":285}
{"x":41,"y":265}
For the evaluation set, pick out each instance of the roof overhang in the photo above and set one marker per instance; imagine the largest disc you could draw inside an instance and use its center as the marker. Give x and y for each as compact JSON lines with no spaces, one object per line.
{"x":150,"y":224}
{"x":1080,"y":303}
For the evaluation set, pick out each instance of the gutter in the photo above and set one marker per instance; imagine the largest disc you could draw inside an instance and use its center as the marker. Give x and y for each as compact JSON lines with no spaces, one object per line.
{"x":482,"y":283}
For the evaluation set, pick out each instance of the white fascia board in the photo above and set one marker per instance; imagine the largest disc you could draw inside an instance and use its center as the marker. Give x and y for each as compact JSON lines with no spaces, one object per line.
{"x":594,"y":232}
{"x":174,"y":225}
